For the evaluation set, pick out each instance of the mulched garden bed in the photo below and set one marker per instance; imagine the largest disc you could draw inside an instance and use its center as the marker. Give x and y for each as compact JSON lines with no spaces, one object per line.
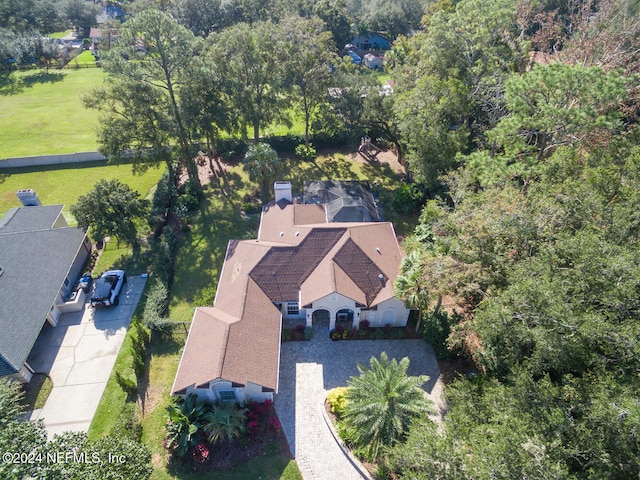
{"x":228,"y":455}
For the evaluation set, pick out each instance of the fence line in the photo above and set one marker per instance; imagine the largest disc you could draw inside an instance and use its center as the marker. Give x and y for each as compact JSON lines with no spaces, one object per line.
{"x":39,"y":160}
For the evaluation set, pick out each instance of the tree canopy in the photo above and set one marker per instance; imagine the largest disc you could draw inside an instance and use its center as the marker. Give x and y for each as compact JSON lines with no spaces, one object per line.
{"x":111,"y":208}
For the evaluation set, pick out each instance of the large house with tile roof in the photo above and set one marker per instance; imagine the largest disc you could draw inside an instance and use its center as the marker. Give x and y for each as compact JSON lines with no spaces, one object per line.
{"x":302,"y":269}
{"x":41,"y":257}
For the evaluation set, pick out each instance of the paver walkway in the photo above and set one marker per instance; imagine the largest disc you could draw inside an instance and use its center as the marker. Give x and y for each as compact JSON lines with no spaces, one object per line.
{"x":309,"y":369}
{"x":79,"y":355}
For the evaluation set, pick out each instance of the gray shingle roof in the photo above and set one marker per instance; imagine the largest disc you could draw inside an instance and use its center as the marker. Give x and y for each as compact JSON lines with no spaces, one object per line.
{"x":346,"y":201}
{"x":36,"y":260}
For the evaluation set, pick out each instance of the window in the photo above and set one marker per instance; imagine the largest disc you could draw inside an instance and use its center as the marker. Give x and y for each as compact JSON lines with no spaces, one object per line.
{"x":227,"y":396}
{"x":292,"y":309}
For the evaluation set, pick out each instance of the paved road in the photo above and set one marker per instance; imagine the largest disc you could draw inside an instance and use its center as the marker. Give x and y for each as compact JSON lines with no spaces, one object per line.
{"x":79,"y":355}
{"x":309,"y":369}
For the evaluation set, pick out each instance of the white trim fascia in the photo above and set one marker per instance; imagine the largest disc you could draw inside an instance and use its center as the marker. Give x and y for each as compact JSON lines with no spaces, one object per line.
{"x":173,"y":385}
{"x":279,"y":348}
{"x":224,"y":262}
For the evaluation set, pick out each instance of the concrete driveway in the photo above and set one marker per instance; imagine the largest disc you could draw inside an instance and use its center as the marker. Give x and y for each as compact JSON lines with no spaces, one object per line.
{"x":309,"y":369}
{"x":79,"y":355}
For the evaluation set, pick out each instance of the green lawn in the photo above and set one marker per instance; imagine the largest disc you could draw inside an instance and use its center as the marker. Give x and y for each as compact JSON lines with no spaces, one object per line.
{"x":59,"y":34}
{"x":85,"y":59}
{"x":63,"y":184}
{"x":41,"y":112}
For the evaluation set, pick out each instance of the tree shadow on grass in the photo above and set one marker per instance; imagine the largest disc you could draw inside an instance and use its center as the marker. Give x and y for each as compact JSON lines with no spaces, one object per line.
{"x":10,"y":84}
{"x":42,"y":77}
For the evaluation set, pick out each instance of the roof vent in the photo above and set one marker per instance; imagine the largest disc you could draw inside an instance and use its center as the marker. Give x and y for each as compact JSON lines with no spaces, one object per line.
{"x":378,"y":250}
{"x":28,"y":197}
{"x":381,"y":277}
{"x":282,"y":234}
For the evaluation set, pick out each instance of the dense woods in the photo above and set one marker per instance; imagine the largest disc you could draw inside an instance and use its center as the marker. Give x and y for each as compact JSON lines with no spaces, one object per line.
{"x":517,"y":120}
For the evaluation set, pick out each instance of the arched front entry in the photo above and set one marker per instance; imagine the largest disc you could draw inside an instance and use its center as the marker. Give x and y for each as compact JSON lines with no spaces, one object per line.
{"x":321,"y":320}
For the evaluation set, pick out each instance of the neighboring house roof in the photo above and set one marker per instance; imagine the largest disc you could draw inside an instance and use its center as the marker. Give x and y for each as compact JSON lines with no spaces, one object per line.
{"x":35,"y":256}
{"x":292,"y":260}
{"x":345,"y":201}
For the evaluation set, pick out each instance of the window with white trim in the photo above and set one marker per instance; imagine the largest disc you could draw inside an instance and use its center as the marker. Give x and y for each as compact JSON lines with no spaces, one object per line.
{"x":292,"y":308}
{"x":227,"y":396}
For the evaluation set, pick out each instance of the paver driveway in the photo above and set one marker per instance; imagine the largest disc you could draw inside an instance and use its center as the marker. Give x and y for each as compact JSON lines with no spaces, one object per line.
{"x":309,"y":369}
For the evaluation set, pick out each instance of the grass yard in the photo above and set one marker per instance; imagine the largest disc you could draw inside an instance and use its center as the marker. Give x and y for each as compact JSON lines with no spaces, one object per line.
{"x":59,"y":34}
{"x":41,"y":112}
{"x":63,"y":184}
{"x":85,"y":59}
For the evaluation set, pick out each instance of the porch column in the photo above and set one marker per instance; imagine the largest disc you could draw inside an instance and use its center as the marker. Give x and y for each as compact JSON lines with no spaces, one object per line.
{"x":356,"y":319}
{"x":310,"y":317}
{"x":332,"y":321}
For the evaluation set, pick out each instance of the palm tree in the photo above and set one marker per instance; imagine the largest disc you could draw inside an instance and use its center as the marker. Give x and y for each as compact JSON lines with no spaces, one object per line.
{"x":382,"y":401}
{"x":260,"y":162}
{"x":410,"y":286}
{"x":225,"y":422}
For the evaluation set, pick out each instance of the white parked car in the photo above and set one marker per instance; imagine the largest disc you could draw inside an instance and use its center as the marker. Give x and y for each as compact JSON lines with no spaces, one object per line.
{"x":108,"y":287}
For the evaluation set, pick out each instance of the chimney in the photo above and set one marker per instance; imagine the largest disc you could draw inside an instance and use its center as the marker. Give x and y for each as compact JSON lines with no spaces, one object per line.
{"x":283,"y":191}
{"x":28,"y":197}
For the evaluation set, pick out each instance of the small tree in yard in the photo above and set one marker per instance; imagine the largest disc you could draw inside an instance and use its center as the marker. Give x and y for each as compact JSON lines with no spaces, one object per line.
{"x":111,"y":208}
{"x":382,"y":401}
{"x":260,"y":162}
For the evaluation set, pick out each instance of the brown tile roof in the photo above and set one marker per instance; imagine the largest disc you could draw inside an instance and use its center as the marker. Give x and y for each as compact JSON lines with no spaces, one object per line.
{"x":309,"y":214}
{"x":253,"y":349}
{"x":361,"y":270}
{"x":283,"y":269}
{"x":239,"y":339}
{"x":204,"y":350}
{"x":240,"y":350}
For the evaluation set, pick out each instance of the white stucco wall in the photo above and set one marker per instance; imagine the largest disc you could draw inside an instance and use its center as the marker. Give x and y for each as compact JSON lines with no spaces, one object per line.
{"x":251,"y":392}
{"x":390,"y":311}
{"x":333,"y":303}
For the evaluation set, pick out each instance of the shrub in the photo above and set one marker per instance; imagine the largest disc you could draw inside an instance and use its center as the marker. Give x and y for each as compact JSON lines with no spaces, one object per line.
{"x":225,"y":422}
{"x":127,"y":385}
{"x":160,"y":204}
{"x":156,"y":307}
{"x":272,"y":448}
{"x":186,"y":203}
{"x":308,"y":333}
{"x":378,"y":334}
{"x":407,"y":198}
{"x":285,"y":143}
{"x":127,"y":424}
{"x":251,"y":207}
{"x":365,"y":325}
{"x":306,"y":152}
{"x":231,"y":147}
{"x":436,"y":328}
{"x":201,"y":453}
{"x":206,"y":297}
{"x":164,"y":251}
{"x":262,"y":418}
{"x":287,"y":336}
{"x":337,"y":400}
